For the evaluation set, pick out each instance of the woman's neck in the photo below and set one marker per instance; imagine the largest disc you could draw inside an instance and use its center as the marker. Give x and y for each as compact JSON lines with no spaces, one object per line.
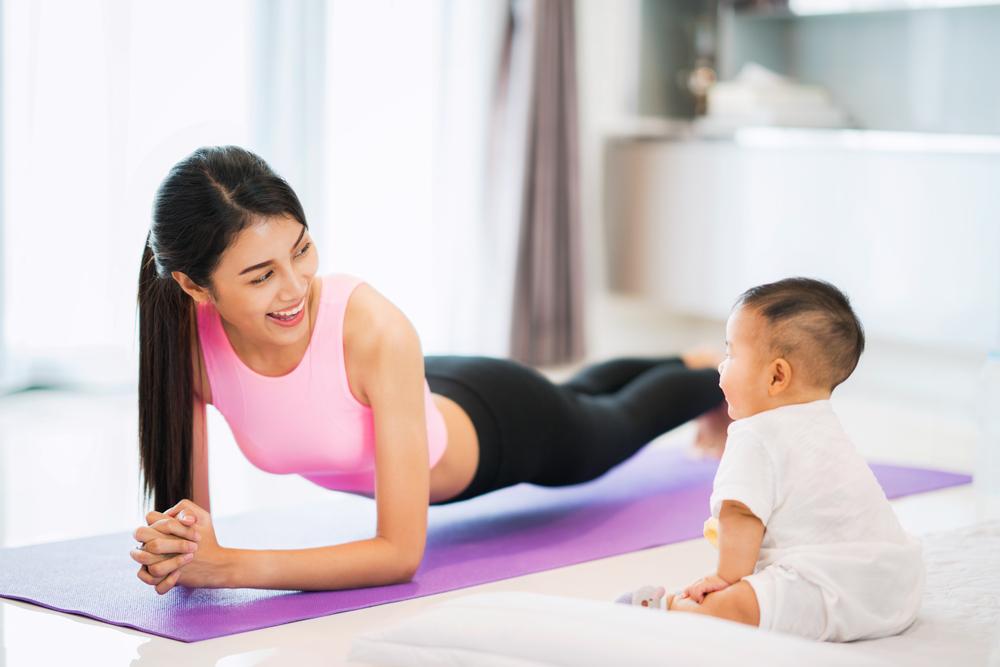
{"x":266,"y":358}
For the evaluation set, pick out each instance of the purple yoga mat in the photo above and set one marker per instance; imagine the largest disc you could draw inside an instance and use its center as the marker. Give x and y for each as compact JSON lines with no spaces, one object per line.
{"x":657,"y":497}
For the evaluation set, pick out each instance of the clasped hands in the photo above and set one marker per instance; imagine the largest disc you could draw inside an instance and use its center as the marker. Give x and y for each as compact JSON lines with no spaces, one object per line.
{"x":178,"y":547}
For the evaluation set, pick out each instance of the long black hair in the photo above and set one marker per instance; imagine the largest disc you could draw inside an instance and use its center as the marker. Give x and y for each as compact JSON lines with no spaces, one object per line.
{"x":200,"y":207}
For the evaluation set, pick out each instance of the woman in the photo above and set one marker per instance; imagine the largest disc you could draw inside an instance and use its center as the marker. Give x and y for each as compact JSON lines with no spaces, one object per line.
{"x":324,"y":377}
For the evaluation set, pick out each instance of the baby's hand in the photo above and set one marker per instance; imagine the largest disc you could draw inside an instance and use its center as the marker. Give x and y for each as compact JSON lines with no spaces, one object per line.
{"x":699,"y":589}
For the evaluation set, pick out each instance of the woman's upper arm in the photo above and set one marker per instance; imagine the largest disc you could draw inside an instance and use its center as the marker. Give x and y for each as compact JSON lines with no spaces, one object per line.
{"x":199,"y":455}
{"x":202,"y":395}
{"x":393,"y":383}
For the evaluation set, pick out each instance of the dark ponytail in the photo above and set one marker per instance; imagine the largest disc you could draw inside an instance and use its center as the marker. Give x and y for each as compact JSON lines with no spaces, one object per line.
{"x":203,"y":203}
{"x":166,"y":385}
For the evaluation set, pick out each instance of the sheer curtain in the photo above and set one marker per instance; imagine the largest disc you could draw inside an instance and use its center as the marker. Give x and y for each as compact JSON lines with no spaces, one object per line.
{"x":410,"y":87}
{"x":100,"y":98}
{"x":377,"y":112}
{"x":547,"y":326}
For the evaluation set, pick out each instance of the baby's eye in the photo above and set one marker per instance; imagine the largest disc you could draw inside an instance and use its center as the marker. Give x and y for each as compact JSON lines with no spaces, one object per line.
{"x":304,"y":250}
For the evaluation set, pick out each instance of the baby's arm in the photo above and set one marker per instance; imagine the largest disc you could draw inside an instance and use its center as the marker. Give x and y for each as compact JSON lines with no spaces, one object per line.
{"x":722,"y":594}
{"x":740,"y":536}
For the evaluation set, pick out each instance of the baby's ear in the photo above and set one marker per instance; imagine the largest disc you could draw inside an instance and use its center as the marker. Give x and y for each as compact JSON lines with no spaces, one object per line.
{"x":781,"y":376}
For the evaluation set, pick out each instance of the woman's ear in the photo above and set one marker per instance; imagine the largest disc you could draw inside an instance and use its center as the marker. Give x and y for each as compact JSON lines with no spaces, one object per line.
{"x":195,"y":291}
{"x":781,"y":376}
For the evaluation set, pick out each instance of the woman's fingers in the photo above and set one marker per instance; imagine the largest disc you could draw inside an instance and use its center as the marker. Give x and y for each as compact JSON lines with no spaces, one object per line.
{"x":168,"y":543}
{"x":169,"y":582}
{"x":187,"y":508}
{"x":153,"y":516}
{"x":161,"y":584}
{"x":143,"y":557}
{"x":171,"y":526}
{"x":165,"y":530}
{"x":156,"y":542}
{"x":166,"y":566}
{"x":187,"y":518}
{"x":183,"y":505}
{"x":146,"y":578}
{"x":178,"y":527}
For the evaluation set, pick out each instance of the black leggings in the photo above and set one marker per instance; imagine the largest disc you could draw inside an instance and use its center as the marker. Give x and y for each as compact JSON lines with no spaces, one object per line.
{"x":532,"y":430}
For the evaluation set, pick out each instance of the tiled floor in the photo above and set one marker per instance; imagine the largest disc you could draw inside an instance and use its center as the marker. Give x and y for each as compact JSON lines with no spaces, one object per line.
{"x":68,"y":468}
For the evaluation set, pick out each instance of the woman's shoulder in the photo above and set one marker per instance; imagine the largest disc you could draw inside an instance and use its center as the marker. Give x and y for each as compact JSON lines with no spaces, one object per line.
{"x":368,"y":307}
{"x":376,"y":335}
{"x":336,"y":288}
{"x":371,"y":320}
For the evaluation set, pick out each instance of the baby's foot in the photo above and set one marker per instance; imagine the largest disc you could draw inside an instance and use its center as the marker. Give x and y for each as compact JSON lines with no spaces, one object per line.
{"x":713,"y":427}
{"x":644,"y":596}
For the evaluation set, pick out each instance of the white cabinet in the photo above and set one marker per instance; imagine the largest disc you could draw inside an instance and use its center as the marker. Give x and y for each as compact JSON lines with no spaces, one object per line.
{"x":908,"y":225}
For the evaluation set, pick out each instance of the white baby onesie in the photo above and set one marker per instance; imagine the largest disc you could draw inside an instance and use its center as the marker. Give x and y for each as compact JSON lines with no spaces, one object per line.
{"x":834,"y":563}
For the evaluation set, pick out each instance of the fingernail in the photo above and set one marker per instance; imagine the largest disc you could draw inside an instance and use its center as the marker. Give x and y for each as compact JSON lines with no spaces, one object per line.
{"x":197,"y":535}
{"x":187,"y":557}
{"x":192,"y":547}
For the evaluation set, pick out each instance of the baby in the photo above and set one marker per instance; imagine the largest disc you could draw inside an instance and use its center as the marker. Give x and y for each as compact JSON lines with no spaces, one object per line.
{"x":808,"y":543}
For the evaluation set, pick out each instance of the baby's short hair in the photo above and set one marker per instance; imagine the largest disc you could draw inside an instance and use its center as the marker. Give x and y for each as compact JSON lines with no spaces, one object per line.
{"x":811,"y":320}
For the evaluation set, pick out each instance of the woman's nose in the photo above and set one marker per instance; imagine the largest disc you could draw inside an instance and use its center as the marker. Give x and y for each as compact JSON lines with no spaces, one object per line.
{"x":294,"y":287}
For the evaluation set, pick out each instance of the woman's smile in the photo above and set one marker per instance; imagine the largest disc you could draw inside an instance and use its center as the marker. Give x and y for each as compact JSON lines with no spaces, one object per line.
{"x":289,"y":317}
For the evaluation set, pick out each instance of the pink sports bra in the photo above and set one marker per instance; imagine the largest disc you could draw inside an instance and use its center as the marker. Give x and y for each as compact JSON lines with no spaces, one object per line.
{"x":307,"y":421}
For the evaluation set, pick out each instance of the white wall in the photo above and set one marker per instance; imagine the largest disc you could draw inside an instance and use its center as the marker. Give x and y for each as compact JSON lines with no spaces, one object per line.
{"x":608,"y":78}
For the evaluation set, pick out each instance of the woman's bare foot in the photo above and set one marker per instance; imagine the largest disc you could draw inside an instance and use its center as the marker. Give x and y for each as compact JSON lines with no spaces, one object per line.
{"x":710,"y":440}
{"x":702,"y":357}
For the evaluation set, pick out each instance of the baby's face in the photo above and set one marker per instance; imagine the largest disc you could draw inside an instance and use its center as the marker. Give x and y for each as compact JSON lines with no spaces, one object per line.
{"x":744,"y":374}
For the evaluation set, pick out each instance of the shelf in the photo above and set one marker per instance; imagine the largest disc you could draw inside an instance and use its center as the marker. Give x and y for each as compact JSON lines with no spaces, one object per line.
{"x":677,"y":130}
{"x":803,"y":8}
{"x":868,"y":140}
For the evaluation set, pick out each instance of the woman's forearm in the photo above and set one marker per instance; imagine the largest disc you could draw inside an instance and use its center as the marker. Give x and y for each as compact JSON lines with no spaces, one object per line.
{"x":371,"y":562}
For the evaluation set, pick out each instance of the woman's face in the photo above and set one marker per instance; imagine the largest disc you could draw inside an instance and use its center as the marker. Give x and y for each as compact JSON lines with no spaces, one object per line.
{"x":262,"y":284}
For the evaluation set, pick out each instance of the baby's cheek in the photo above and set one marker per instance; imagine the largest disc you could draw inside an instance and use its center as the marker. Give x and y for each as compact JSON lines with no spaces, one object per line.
{"x":725,"y":383}
{"x":732,"y":396}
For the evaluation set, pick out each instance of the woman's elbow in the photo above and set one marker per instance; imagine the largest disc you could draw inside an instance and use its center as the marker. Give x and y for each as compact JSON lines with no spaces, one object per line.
{"x":407,"y":571}
{"x":407,"y":564}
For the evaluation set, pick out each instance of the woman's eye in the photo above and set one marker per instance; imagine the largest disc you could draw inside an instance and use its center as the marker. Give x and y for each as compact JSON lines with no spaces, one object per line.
{"x":305,"y":248}
{"x":258,"y":281}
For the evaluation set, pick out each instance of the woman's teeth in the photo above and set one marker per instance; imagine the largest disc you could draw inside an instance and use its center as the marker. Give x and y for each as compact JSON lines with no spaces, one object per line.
{"x":288,"y":314}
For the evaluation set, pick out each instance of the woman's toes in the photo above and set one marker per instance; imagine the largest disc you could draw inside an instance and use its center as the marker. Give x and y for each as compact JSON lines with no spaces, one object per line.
{"x":702,"y":357}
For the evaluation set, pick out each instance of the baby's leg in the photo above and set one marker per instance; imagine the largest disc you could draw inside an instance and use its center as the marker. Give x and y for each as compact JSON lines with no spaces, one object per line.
{"x":736,"y":603}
